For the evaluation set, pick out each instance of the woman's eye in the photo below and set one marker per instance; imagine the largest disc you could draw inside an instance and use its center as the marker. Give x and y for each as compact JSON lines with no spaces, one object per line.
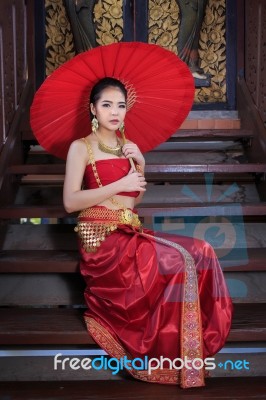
{"x":106,"y":105}
{"x":122,"y":106}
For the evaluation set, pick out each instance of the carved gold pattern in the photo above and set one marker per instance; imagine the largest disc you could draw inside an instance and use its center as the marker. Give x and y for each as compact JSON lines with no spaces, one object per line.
{"x":164,"y":21}
{"x":59,"y":39}
{"x":108,"y":19}
{"x":212,"y":52}
{"x":164,"y":18}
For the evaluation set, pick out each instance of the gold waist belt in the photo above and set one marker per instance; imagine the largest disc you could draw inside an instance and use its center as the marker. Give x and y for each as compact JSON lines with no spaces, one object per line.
{"x":95,"y":223}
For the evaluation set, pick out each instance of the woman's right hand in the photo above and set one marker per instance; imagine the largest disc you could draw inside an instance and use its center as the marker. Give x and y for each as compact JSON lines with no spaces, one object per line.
{"x":133,"y":182}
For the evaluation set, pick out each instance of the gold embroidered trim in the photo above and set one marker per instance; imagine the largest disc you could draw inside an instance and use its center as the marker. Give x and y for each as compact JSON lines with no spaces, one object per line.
{"x":93,"y":233}
{"x":114,"y":349}
{"x":96,"y":176}
{"x":95,"y":172}
{"x":191,"y":342}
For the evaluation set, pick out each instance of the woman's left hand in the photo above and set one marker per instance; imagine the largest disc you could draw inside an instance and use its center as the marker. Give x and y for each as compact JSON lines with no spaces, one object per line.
{"x":132,"y":150}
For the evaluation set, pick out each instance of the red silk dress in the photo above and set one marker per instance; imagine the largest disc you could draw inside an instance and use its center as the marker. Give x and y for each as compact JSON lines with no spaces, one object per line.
{"x":153,"y":294}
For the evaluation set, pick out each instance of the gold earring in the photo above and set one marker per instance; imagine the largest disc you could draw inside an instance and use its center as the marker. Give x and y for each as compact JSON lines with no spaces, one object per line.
{"x":122,"y":128}
{"x":94,"y":124}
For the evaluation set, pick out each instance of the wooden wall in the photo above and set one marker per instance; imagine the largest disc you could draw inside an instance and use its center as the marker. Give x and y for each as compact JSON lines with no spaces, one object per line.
{"x":255,"y":53}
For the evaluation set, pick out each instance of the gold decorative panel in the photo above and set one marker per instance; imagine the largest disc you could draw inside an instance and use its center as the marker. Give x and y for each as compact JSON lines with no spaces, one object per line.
{"x":163,"y":29}
{"x":108,"y":18}
{"x":59,"y":39}
{"x":212,"y":51}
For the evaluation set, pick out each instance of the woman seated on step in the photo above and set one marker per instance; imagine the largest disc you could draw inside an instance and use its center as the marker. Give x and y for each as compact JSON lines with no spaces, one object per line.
{"x":148,"y":294}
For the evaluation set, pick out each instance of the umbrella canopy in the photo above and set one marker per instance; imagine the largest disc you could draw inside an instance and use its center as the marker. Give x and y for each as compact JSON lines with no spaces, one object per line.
{"x":160,"y":95}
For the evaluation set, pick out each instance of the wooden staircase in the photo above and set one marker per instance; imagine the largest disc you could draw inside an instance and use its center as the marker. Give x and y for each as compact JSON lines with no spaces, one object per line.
{"x":41,"y":292}
{"x":207,"y":175}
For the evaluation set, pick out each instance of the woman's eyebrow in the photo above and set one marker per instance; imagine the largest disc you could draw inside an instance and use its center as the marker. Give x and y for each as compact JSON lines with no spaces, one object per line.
{"x":109,"y":101}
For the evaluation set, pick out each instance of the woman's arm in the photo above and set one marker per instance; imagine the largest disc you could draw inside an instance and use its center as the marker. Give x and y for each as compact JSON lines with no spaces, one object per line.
{"x":131,"y":150}
{"x":75,"y":199}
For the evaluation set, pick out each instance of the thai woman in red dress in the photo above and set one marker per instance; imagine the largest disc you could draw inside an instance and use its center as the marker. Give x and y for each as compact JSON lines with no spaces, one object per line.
{"x":148,"y":294}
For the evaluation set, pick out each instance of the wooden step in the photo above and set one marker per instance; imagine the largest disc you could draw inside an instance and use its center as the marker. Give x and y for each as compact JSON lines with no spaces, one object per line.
{"x":43,"y":180}
{"x":187,"y":140}
{"x":199,"y":153}
{"x":60,"y":261}
{"x":61,"y":289}
{"x":227,"y":388}
{"x":200,"y":135}
{"x":204,"y":168}
{"x":59,"y":236}
{"x":53,"y":236}
{"x":210,"y":134}
{"x":164,"y":193}
{"x":191,"y":145}
{"x":58,"y":180}
{"x":236,"y":359}
{"x":26,"y":326}
{"x":150,"y":169}
{"x":145,"y":210}
{"x":191,"y":132}
{"x":35,"y":261}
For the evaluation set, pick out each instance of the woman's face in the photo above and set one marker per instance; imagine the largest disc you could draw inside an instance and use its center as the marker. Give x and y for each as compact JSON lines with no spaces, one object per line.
{"x":110,"y":109}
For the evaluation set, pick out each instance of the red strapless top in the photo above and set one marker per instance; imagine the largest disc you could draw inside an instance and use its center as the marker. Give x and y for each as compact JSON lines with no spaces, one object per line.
{"x":109,"y":171}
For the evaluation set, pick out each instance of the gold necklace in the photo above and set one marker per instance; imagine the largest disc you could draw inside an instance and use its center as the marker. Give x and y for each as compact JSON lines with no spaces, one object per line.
{"x":116,"y":151}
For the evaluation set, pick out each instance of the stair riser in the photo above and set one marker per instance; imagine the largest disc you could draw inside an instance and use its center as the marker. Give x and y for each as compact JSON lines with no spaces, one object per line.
{"x":145,"y":210}
{"x":62,"y":236}
{"x":67,"y":289}
{"x":164,"y":194}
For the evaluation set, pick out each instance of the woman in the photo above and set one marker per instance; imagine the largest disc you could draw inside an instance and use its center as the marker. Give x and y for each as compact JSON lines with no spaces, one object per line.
{"x":147,"y":294}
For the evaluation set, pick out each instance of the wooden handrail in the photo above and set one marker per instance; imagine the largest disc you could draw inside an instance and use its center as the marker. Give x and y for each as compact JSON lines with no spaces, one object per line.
{"x":6,"y":155}
{"x":144,"y":210}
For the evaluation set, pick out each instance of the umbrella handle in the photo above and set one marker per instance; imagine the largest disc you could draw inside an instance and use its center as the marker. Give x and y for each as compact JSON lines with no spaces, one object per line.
{"x":124,"y":142}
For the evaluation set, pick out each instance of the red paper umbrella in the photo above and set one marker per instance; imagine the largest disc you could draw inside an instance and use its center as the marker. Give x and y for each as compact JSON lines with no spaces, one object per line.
{"x":160,"y":95}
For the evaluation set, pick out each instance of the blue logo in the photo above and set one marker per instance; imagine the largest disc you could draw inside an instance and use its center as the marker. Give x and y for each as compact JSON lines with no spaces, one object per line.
{"x":230,"y":365}
{"x":220,"y":224}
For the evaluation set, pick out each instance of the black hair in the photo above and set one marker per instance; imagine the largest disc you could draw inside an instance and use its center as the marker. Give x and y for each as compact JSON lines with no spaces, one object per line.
{"x":103,"y":84}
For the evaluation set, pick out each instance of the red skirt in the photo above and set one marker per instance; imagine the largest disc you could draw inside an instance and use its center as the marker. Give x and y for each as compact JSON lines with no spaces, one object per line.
{"x":156,"y":295}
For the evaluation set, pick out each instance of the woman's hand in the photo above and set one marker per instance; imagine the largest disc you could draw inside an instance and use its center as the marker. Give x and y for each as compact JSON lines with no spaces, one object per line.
{"x":131,"y":150}
{"x":133,"y":182}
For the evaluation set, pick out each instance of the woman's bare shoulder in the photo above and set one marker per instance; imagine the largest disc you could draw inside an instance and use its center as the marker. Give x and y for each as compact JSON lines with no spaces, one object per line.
{"x":77,"y":149}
